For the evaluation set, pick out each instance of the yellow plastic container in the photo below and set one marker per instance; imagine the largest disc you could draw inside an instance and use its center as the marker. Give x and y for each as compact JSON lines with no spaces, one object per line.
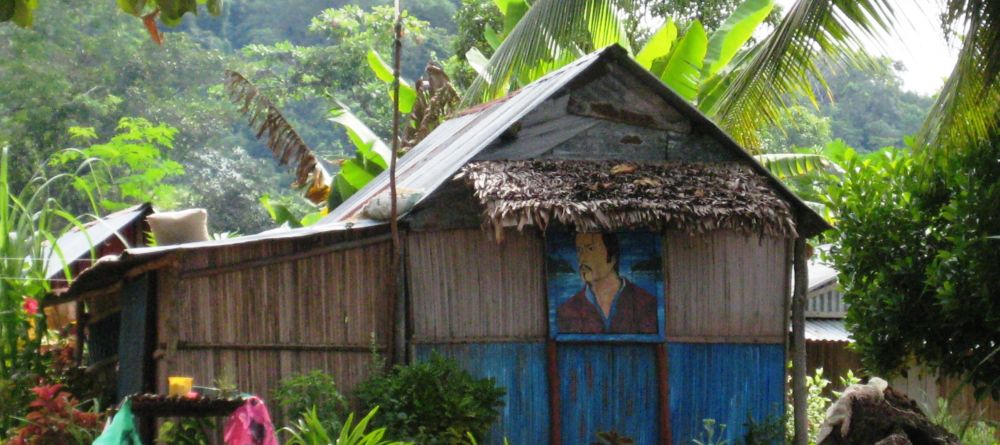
{"x":179,"y":386}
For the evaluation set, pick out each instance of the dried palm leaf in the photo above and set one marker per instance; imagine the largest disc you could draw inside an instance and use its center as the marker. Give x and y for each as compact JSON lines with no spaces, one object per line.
{"x":280,"y":137}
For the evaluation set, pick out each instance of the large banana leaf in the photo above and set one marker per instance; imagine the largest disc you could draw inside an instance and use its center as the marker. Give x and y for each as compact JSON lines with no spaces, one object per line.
{"x":683,"y":70}
{"x":653,"y":54}
{"x":734,"y":32}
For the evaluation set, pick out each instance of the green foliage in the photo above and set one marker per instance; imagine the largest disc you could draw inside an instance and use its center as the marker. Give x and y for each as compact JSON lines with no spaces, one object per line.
{"x":817,"y":403}
{"x":316,"y":393}
{"x":309,"y":430}
{"x":968,"y":430}
{"x":30,"y":221}
{"x":335,"y":73}
{"x":84,"y":64}
{"x":708,"y":437}
{"x":769,"y":431}
{"x":917,"y":267}
{"x":803,"y":128}
{"x":189,"y":431}
{"x":129,"y":168}
{"x":432,"y":402}
{"x":170,"y":11}
{"x":869,"y":108}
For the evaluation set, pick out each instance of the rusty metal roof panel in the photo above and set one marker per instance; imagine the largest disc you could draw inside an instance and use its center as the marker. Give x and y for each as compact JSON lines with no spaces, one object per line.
{"x":77,"y":243}
{"x":439,"y":156}
{"x":827,"y":330}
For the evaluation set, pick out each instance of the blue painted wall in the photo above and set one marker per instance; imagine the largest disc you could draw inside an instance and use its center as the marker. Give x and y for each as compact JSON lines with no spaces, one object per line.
{"x":725,"y":382}
{"x":608,"y":387}
{"x":518,"y":367}
{"x":613,"y":387}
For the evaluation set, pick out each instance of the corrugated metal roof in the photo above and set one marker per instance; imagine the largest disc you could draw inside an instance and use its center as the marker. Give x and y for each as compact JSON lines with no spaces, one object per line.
{"x":827,"y":330}
{"x":437,"y":158}
{"x":76,"y":244}
{"x":450,"y":146}
{"x":273,"y":234}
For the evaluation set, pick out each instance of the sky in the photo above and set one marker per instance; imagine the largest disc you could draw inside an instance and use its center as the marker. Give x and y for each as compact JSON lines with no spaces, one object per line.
{"x":917,"y":42}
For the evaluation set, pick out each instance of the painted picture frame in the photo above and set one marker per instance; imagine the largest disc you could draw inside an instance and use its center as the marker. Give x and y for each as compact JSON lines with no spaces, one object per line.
{"x":605,"y":287}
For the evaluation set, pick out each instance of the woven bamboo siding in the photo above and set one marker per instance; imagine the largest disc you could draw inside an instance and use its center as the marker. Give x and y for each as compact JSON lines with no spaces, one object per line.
{"x":306,"y":306}
{"x":725,"y":287}
{"x":465,"y":286}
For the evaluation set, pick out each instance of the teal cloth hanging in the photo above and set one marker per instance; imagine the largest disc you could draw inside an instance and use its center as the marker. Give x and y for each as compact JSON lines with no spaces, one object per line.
{"x":122,"y":429}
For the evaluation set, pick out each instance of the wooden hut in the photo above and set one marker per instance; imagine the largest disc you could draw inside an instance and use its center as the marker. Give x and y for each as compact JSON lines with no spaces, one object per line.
{"x":500,"y":193}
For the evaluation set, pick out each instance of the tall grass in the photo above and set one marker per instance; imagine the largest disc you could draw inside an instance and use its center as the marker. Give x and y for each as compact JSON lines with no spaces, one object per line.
{"x":31,"y":220}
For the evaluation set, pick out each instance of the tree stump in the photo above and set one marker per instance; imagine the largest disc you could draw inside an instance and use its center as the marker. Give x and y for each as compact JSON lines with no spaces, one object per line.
{"x":894,"y":419}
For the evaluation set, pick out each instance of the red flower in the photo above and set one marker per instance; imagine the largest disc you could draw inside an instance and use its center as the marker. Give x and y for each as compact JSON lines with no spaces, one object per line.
{"x":30,"y":306}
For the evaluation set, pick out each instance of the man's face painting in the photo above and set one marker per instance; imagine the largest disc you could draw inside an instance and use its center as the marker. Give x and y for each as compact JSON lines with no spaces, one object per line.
{"x":593,"y":256}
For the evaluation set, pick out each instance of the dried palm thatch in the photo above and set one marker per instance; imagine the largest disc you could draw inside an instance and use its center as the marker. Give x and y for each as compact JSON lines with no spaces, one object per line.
{"x":286,"y":145}
{"x":612,"y":195}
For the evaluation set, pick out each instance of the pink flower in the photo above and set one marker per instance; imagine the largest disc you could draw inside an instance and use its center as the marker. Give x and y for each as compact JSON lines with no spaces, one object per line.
{"x":30,"y":306}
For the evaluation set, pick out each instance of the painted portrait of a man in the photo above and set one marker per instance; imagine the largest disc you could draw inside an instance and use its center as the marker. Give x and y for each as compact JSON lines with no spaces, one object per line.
{"x":593,"y":284}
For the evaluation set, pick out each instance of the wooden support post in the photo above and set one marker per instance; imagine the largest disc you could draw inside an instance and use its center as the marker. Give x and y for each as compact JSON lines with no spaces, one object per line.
{"x":555,"y":402}
{"x":799,"y":395}
{"x":663,"y":387}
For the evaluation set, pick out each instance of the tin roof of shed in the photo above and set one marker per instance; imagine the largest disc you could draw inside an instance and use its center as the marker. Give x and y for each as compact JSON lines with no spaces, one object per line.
{"x":76,"y":243}
{"x":441,"y":155}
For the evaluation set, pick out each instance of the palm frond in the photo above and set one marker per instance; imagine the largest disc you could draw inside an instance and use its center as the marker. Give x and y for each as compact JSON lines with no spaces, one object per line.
{"x":790,"y":165}
{"x":279,"y":136}
{"x":545,"y":38}
{"x":782,"y":65}
{"x":968,"y":108}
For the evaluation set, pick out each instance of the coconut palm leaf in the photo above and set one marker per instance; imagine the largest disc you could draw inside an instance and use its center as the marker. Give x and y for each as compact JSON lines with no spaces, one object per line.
{"x":752,"y":92}
{"x":281,"y":138}
{"x":968,"y":107}
{"x":543,"y":40}
{"x":790,"y":165}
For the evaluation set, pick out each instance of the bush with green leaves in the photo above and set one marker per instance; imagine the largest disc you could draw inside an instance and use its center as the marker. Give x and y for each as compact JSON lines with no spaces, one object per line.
{"x":314,"y":391}
{"x":432,"y":402}
{"x":918,"y":259}
{"x":969,"y":430}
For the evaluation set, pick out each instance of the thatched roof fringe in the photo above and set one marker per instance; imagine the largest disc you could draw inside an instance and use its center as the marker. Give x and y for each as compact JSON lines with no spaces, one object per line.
{"x":608,"y":196}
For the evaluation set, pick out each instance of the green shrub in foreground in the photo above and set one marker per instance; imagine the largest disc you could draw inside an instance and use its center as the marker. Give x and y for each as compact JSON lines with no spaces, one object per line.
{"x":432,"y":402}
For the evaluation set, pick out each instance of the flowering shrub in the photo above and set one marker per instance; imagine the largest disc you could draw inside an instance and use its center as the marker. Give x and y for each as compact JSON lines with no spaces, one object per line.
{"x":55,"y":416}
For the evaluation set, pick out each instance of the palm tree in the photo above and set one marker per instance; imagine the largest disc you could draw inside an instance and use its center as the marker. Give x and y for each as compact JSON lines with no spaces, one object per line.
{"x":751,"y":88}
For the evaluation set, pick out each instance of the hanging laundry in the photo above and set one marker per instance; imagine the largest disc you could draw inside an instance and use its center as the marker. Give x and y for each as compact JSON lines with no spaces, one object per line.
{"x":121,"y":430}
{"x":250,"y":424}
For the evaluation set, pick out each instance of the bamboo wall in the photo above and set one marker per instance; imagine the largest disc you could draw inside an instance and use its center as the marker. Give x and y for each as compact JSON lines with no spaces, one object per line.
{"x":259,"y":312}
{"x":726,"y":287}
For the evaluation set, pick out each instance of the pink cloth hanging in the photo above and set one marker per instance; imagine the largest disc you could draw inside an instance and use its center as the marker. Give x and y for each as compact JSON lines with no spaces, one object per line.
{"x":250,"y":424}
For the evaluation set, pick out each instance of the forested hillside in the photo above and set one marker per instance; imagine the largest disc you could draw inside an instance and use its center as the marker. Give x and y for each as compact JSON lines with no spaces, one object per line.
{"x":85,"y":64}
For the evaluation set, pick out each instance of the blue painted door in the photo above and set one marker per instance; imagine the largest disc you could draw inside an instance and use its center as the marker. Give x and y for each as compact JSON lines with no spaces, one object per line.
{"x":608,"y":388}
